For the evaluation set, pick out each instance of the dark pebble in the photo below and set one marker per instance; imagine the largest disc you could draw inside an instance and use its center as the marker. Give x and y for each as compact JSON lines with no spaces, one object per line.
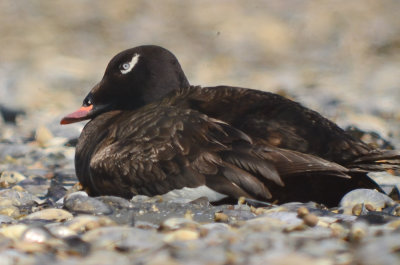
{"x":9,"y":114}
{"x":56,"y":191}
{"x":377,"y":218}
{"x":77,"y":246}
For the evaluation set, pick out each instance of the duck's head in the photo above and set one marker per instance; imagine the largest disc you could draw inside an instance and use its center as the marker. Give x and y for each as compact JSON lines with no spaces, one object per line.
{"x":133,"y":78}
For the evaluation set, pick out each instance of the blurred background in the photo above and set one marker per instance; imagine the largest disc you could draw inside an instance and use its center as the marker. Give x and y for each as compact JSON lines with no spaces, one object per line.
{"x":341,"y":58}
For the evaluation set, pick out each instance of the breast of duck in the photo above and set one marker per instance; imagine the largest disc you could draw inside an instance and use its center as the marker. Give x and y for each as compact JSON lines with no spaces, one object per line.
{"x":152,"y":133}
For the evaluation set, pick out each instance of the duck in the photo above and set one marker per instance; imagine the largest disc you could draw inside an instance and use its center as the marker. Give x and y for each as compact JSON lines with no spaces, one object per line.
{"x":151,"y":132}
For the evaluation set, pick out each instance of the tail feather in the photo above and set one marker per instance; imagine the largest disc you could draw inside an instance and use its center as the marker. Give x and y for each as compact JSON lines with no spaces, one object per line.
{"x":377,"y":160}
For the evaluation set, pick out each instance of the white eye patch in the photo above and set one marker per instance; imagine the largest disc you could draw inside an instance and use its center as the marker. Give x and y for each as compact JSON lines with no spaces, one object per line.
{"x":128,"y":66}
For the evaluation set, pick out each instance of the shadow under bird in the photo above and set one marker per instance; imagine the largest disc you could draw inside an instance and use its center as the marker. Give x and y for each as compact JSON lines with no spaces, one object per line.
{"x":151,"y":132}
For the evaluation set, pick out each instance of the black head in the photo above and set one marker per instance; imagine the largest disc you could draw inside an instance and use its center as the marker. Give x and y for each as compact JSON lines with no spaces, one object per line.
{"x":133,"y":78}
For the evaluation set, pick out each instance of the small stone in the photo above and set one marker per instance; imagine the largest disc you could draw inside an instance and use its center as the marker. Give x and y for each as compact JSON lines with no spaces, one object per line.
{"x":289,"y":218}
{"x":123,"y":238}
{"x":36,"y":235}
{"x":60,"y":231}
{"x":241,"y":200}
{"x":56,"y":215}
{"x":221,"y":217}
{"x":259,"y":211}
{"x":182,"y":235}
{"x":294,"y":228}
{"x":82,"y":223}
{"x":5,"y":219}
{"x":19,"y":199}
{"x":11,"y":177}
{"x":202,"y":201}
{"x":43,"y":136}
{"x":4,"y":184}
{"x":35,"y":185}
{"x":338,"y":230}
{"x":369,"y":207}
{"x":81,"y":203}
{"x":394,"y":224}
{"x":172,"y":224}
{"x":397,"y":211}
{"x":390,"y":203}
{"x":154,"y":208}
{"x":358,"y":232}
{"x":122,"y":209}
{"x":310,"y":220}
{"x":18,"y":188}
{"x":77,"y":187}
{"x":188,"y":215}
{"x":213,"y":227}
{"x":302,"y":211}
{"x":357,"y":209}
{"x":76,"y":246}
{"x":6,"y":202}
{"x":262,"y":224}
{"x":13,"y":231}
{"x":115,"y":202}
{"x":30,"y":247}
{"x":10,"y":211}
{"x":140,"y":198}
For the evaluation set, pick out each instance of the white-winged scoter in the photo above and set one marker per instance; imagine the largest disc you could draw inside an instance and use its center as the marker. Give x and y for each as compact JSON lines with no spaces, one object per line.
{"x":152,"y":133}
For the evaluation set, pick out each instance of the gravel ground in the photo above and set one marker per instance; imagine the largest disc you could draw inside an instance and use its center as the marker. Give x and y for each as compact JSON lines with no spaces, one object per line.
{"x":340,"y":58}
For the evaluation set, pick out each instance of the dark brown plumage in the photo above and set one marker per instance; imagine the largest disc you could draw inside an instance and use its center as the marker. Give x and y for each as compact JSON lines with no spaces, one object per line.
{"x":150,"y":133}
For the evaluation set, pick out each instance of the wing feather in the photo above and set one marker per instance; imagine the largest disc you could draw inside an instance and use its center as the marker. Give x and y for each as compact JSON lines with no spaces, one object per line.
{"x":187,"y":149}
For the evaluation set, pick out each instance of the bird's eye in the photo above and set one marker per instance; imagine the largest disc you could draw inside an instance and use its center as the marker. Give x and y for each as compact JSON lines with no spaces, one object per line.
{"x":87,"y":101}
{"x":126,"y":67}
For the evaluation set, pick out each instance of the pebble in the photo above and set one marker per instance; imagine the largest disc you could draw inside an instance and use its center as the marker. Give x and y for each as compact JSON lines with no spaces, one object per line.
{"x":10,"y":211}
{"x":11,"y":177}
{"x":56,"y":215}
{"x":212,"y":227}
{"x":339,"y":230}
{"x":30,"y":247}
{"x":79,"y":202}
{"x":380,"y":250}
{"x":60,"y":231}
{"x":19,"y":198}
{"x":263,"y":224}
{"x":35,"y":185}
{"x":13,"y":231}
{"x":172,"y":224}
{"x":36,"y":235}
{"x":181,"y":235}
{"x":5,"y":219}
{"x":221,"y":217}
{"x":358,"y":209}
{"x":302,"y":211}
{"x":310,"y":220}
{"x":123,"y":238}
{"x":43,"y":136}
{"x":82,"y":223}
{"x":358,"y":232}
{"x":122,"y":212}
{"x":373,"y":198}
